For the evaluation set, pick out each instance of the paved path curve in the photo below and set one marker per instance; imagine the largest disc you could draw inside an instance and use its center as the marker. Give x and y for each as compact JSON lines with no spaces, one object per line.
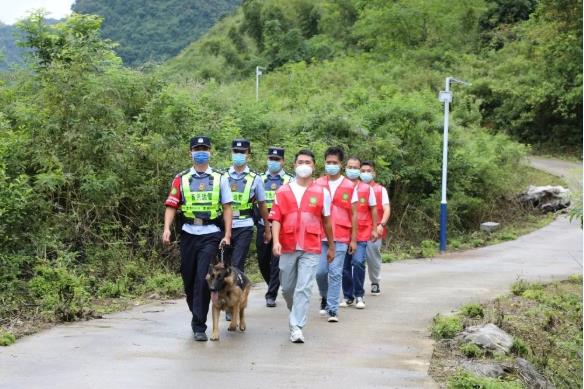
{"x":386,"y":345}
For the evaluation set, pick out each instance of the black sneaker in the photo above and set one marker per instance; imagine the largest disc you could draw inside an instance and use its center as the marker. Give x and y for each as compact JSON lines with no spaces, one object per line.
{"x":375,"y":291}
{"x":200,"y":336}
{"x":323,"y":306}
{"x":332,"y":317}
{"x":270,"y":302}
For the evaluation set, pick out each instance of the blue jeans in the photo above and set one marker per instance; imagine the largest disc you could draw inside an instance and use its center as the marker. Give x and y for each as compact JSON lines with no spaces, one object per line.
{"x":354,"y":272}
{"x":330,"y":275}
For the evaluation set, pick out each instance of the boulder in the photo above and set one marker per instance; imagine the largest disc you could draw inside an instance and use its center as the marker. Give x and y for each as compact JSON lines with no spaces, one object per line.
{"x":530,"y":376}
{"x":546,"y":198}
{"x":488,"y":336}
{"x":487,"y":369}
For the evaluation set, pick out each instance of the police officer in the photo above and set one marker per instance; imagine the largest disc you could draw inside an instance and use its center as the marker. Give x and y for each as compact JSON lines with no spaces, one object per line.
{"x":202,"y":195}
{"x":273,"y":178}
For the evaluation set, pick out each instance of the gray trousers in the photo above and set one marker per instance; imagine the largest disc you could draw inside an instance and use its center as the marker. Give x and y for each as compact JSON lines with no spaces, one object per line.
{"x":374,"y":261}
{"x":297,"y":274}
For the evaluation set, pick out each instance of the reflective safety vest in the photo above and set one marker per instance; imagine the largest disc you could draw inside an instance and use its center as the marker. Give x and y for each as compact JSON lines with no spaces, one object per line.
{"x":302,"y":225}
{"x":378,"y":190}
{"x":241,"y":190}
{"x":340,"y":208}
{"x":201,"y":196}
{"x":271,"y":184}
{"x":364,"y":216}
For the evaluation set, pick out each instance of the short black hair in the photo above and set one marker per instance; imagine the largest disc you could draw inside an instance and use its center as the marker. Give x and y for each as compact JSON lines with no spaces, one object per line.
{"x":335,"y":150}
{"x":305,"y":152}
{"x":352,"y":157}
{"x":368,"y":163}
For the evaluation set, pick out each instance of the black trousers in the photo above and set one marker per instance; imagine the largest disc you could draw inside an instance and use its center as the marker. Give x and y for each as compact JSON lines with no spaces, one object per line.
{"x":240,"y":240}
{"x":268,"y":263}
{"x":197,"y":252}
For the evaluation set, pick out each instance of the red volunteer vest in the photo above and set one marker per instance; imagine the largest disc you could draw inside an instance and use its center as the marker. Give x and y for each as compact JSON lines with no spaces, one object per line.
{"x":302,"y":226}
{"x":378,"y":190}
{"x":364,"y":217}
{"x":340,"y":208}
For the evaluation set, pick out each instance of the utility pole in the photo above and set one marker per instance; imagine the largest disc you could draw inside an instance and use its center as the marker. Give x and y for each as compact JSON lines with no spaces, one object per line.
{"x":259,"y":72}
{"x":445,"y":97}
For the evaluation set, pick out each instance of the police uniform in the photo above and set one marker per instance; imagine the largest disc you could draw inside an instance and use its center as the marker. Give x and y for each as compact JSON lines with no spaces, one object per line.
{"x":199,"y":197}
{"x":268,"y":263}
{"x":246,"y":188}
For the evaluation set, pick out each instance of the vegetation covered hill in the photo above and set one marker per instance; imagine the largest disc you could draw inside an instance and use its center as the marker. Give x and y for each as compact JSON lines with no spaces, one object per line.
{"x":524,"y":58}
{"x":9,"y":53}
{"x":154,"y":30}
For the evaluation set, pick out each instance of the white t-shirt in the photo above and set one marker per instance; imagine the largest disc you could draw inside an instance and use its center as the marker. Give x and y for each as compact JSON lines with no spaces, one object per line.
{"x":372,"y":199}
{"x":384,"y":196}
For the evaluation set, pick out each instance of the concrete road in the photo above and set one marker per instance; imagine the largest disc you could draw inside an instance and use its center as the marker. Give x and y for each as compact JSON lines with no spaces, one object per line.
{"x":386,"y":345}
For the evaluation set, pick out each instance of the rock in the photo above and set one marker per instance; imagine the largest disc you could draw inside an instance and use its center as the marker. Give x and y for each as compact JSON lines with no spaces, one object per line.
{"x":154,"y":296}
{"x":486,"y":369}
{"x":530,"y":376}
{"x":546,"y":198}
{"x":489,"y":226}
{"x":488,"y":336}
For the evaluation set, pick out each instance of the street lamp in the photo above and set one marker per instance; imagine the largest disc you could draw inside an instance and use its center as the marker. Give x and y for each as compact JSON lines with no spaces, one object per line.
{"x":445,"y":97}
{"x":259,"y":72}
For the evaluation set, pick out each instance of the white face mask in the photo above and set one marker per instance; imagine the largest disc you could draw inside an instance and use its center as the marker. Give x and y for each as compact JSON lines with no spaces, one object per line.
{"x":303,"y":171}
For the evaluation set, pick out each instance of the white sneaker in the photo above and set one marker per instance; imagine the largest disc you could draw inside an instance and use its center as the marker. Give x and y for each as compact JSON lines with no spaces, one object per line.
{"x":296,"y":336}
{"x":333,"y":318}
{"x":346,"y":303}
{"x":360,"y":303}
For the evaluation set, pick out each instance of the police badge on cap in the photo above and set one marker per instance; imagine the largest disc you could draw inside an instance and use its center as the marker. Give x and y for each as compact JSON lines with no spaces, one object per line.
{"x":276,"y":152}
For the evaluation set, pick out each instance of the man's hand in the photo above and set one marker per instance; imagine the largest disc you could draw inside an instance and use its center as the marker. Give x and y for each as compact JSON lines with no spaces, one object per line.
{"x":277,"y":249}
{"x":267,"y":234}
{"x":379,"y":230}
{"x":374,"y":235}
{"x":352,"y":246}
{"x":330,"y":253}
{"x":226,"y":241}
{"x":166,"y":236}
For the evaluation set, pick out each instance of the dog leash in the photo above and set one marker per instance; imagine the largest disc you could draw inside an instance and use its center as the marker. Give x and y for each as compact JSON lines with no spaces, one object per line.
{"x":222,"y":252}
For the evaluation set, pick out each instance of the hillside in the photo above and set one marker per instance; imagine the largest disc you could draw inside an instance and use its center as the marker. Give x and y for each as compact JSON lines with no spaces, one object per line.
{"x":524,"y":58}
{"x":9,"y":53}
{"x":154,"y":30}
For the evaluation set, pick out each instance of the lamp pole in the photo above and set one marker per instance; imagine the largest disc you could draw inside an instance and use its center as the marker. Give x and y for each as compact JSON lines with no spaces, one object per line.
{"x":259,"y":72}
{"x":445,"y":96}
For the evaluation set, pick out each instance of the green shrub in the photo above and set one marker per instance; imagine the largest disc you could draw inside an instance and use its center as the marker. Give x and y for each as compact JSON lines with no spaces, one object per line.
{"x":471,"y":350}
{"x":113,"y":289}
{"x":6,"y":338}
{"x":466,"y":380}
{"x":429,"y":248}
{"x":519,"y":287}
{"x":61,"y":292}
{"x":472,"y":310}
{"x":446,"y":327}
{"x":519,"y":348}
{"x":165,"y":284}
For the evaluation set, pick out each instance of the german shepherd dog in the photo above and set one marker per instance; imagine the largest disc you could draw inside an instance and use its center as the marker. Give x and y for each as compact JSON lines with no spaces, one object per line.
{"x":229,"y":289}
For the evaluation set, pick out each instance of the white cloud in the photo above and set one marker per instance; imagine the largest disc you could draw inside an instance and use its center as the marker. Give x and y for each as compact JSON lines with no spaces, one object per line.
{"x":13,"y":10}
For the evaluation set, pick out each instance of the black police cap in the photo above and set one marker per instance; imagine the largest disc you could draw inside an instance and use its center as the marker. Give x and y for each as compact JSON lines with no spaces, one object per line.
{"x":276,"y":152}
{"x":240,"y":144}
{"x":200,"y":141}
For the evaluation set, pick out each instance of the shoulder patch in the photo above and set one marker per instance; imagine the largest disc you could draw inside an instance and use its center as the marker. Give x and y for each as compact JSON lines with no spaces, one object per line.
{"x":183,"y":172}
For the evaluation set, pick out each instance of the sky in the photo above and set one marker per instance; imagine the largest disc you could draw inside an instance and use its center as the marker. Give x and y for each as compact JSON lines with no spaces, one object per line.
{"x":13,"y":10}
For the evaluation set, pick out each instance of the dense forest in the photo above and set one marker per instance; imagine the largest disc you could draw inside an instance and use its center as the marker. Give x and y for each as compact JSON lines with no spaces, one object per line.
{"x":89,"y":146}
{"x":152,"y":31}
{"x":9,"y":52}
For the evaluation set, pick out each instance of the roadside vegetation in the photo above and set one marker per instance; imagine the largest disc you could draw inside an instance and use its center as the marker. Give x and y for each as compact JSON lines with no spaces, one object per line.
{"x":545,"y":321}
{"x":89,"y":146}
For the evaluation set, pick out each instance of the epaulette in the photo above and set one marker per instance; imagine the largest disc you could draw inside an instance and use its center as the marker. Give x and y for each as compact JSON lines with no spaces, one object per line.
{"x":183,"y":172}
{"x":220,"y":171}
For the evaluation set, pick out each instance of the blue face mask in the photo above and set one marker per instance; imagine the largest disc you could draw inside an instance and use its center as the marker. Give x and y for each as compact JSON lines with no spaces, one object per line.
{"x":352,"y":174}
{"x":332,"y":170}
{"x":274,"y":166}
{"x":238,"y":159}
{"x":366,"y":177}
{"x":200,"y":157}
